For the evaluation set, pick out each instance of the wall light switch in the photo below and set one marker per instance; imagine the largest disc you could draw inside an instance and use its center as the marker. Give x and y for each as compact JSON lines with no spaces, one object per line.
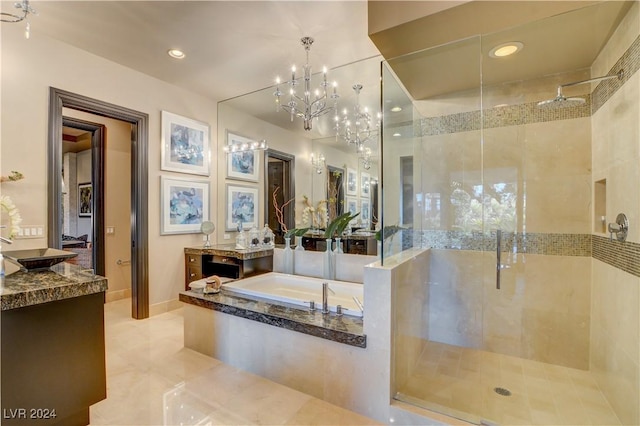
{"x":111,"y":230}
{"x":27,"y":232}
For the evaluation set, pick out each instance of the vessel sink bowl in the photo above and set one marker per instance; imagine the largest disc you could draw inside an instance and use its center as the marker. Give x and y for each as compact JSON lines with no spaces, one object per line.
{"x":38,"y":259}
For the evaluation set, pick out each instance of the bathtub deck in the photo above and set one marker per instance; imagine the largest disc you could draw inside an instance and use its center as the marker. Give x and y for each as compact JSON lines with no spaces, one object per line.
{"x":342,"y":329}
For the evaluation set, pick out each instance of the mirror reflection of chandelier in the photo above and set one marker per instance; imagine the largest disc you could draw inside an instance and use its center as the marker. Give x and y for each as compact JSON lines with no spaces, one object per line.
{"x":24,"y":10}
{"x":356,"y":128}
{"x":306,"y":105}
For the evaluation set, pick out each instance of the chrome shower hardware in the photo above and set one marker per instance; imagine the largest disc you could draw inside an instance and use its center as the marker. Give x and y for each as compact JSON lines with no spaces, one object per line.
{"x":562,"y":101}
{"x":620,"y":228}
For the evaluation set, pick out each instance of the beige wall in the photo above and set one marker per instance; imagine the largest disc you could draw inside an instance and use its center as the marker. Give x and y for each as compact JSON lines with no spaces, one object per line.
{"x":615,"y":306}
{"x":29,"y":68}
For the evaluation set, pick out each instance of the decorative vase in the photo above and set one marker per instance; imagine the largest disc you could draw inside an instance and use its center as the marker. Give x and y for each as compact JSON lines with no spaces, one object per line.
{"x":338,"y":249}
{"x":328,"y":266}
{"x":299,"y":246}
{"x":288,"y":256}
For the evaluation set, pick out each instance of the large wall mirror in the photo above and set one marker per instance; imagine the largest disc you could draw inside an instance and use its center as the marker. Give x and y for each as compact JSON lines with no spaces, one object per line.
{"x":340,"y":170}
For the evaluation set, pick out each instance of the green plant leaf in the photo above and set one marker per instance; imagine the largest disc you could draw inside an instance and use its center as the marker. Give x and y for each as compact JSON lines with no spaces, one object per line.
{"x":298,"y":232}
{"x":339,"y":224}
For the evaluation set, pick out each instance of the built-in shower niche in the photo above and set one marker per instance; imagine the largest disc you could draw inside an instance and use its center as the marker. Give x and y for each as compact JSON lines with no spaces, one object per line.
{"x":600,"y":206}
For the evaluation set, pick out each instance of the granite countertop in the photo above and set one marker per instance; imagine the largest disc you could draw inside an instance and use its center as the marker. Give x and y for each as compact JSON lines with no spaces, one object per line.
{"x":343,"y":329}
{"x":61,"y":281}
{"x":229,"y":250}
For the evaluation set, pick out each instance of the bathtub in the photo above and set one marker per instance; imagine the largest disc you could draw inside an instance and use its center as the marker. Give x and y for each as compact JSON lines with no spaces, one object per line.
{"x":299,"y":290}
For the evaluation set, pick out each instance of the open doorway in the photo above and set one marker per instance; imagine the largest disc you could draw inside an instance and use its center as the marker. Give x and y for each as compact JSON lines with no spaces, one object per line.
{"x":279,"y":173}
{"x":138,"y":238}
{"x":83,"y":192}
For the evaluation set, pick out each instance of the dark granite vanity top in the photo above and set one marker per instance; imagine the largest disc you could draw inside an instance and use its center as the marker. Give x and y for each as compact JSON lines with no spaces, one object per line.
{"x":61,"y":281}
{"x":229,"y":250}
{"x":343,"y":329}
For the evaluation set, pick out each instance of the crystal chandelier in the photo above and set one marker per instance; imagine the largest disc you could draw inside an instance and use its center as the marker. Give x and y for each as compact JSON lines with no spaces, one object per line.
{"x":356,"y":129}
{"x":25,"y":10}
{"x":306,"y":105}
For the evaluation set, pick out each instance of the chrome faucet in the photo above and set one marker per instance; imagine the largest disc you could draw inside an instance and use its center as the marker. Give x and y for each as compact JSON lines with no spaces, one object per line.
{"x":325,"y":297}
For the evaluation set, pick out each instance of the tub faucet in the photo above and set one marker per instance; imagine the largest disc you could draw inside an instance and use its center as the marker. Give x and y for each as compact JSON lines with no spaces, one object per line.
{"x":325,"y":297}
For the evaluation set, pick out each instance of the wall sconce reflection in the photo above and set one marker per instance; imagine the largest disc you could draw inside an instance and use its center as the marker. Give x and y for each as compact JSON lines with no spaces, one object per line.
{"x":365,"y":157}
{"x":318,"y":162}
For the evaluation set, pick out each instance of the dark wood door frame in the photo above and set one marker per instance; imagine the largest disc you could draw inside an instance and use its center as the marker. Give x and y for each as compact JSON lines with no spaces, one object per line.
{"x":139,"y":121}
{"x":289,"y":212}
{"x":97,"y":183}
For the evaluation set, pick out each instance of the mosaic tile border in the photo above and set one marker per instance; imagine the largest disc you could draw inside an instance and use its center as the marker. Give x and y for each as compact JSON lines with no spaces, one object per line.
{"x":528,"y":243}
{"x":624,"y":256}
{"x":529,"y":113}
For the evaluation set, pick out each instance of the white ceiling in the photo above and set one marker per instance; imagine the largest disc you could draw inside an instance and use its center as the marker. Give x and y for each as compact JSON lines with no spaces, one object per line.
{"x":232,"y":47}
{"x":238,"y":47}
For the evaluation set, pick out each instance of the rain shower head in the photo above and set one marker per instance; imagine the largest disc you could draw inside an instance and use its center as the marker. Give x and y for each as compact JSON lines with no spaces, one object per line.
{"x":561,"y":101}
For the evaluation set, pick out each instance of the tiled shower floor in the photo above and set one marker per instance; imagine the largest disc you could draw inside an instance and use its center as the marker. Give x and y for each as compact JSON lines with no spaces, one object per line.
{"x":460,"y":382}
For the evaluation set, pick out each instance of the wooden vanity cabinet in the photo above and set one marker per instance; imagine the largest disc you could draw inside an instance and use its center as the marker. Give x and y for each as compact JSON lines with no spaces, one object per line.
{"x":225,"y":261}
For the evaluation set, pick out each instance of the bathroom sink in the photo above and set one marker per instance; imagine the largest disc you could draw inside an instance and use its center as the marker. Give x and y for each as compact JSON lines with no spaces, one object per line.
{"x":38,"y":259}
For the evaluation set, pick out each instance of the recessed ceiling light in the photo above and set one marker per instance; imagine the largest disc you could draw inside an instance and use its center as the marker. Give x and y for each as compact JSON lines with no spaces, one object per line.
{"x":176,"y":53}
{"x":506,"y":49}
{"x":397,"y":134}
{"x":396,"y":109}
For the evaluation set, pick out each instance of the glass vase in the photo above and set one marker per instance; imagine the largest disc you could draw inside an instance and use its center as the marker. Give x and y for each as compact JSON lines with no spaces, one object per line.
{"x":287,"y":256}
{"x":328,"y":265}
{"x":299,"y":246}
{"x":338,"y":249}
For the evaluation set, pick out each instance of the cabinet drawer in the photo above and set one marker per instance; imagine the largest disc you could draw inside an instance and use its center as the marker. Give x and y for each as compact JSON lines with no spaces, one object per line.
{"x":193,"y":260}
{"x":226,"y":260}
{"x":193,"y":273}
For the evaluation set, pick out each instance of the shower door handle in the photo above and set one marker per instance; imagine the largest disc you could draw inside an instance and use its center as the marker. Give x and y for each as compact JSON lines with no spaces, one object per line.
{"x":498,"y":249}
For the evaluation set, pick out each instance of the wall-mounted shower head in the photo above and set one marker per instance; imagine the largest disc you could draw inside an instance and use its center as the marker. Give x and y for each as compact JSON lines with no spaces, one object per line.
{"x":561,"y":101}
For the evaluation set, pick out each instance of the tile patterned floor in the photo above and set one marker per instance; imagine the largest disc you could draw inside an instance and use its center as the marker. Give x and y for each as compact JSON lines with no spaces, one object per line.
{"x":461,"y":381}
{"x":153,"y":380}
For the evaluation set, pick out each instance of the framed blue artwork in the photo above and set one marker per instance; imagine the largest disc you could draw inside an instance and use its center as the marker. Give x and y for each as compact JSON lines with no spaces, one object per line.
{"x":242,"y":207}
{"x":185,"y":145}
{"x":243,"y":165}
{"x":184,"y":205}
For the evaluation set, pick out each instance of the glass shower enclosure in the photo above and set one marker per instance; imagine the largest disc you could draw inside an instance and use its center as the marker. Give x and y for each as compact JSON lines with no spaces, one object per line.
{"x":504,"y":195}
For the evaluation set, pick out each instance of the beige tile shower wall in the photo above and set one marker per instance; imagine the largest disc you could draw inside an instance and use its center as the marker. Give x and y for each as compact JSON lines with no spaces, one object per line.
{"x":411,"y":325}
{"x":615,"y":358}
{"x":540,"y":312}
{"x":615,"y":329}
{"x":548,"y":164}
{"x":451,"y":168}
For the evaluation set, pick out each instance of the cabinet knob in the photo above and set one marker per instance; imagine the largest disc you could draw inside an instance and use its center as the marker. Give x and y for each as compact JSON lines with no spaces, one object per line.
{"x":192,"y":274}
{"x":191,"y":259}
